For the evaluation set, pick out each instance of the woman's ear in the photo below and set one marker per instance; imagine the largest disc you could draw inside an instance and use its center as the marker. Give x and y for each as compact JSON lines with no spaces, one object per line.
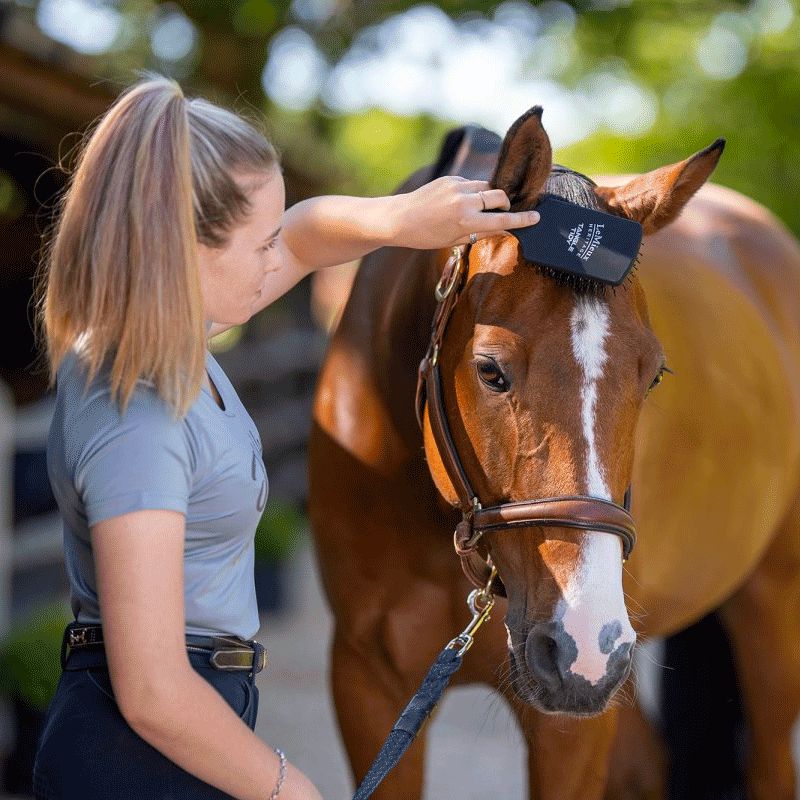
{"x":525,"y":161}
{"x":656,"y":198}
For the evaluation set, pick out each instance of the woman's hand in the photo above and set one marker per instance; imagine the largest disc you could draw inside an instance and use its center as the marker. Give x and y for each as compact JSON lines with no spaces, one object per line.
{"x":444,"y":213}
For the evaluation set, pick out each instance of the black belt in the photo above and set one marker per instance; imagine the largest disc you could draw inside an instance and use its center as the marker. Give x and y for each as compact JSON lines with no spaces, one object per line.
{"x":226,"y":652}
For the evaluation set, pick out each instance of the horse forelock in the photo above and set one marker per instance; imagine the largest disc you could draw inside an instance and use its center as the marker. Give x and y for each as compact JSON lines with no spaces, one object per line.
{"x":572,"y":186}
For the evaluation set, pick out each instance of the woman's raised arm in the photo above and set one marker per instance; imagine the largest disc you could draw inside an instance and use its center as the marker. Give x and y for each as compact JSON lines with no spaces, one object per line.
{"x":333,"y":229}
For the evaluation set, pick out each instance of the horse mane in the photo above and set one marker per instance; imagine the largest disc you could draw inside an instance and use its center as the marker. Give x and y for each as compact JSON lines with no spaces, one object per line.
{"x":573,"y":186}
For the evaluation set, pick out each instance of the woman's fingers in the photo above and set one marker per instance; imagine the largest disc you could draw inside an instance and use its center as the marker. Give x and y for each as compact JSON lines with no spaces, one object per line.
{"x":489,"y":224}
{"x":452,"y":206}
{"x":488,"y":199}
{"x":506,"y":220}
{"x":482,"y":198}
{"x":481,"y":195}
{"x":493,"y":200}
{"x":469,"y":184}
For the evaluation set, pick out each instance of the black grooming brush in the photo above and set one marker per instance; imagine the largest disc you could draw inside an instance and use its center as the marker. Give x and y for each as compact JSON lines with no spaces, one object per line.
{"x":580,"y":241}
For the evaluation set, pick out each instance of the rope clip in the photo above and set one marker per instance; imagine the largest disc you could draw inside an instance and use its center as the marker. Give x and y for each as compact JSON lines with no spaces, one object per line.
{"x":480,"y":602}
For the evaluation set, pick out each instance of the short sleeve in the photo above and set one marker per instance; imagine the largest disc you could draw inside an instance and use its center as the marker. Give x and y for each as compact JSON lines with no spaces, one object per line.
{"x":138,"y":461}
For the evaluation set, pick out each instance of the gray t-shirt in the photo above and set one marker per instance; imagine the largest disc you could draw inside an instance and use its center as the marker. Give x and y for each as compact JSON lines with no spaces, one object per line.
{"x":207,"y":466}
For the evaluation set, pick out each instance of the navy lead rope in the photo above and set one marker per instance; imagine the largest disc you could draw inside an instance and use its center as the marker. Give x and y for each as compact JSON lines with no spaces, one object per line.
{"x":428,"y":695}
{"x":411,"y":720}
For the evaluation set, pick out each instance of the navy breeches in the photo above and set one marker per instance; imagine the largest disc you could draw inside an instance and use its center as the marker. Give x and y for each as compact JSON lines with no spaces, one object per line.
{"x":87,"y":751}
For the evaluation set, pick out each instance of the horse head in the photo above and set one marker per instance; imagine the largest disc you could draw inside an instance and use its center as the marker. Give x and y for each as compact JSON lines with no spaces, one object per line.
{"x":545,"y":378}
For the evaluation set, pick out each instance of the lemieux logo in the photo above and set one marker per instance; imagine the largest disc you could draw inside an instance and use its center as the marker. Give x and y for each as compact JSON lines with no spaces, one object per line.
{"x":585,"y":247}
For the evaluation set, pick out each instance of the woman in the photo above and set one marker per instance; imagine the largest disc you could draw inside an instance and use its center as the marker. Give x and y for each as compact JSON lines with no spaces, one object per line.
{"x":172,"y":229}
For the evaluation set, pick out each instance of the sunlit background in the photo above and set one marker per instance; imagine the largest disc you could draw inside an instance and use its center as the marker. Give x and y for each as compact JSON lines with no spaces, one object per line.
{"x":482,"y":66}
{"x":356,"y":94}
{"x":373,"y":83}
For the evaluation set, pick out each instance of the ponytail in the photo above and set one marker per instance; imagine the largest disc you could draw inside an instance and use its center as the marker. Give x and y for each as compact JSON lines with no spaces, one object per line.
{"x":122,"y":280}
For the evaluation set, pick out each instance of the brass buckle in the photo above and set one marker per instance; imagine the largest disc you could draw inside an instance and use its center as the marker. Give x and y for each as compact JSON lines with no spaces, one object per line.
{"x":237,"y":658}
{"x":260,"y":658}
{"x":442,"y":291}
{"x":231,"y":658}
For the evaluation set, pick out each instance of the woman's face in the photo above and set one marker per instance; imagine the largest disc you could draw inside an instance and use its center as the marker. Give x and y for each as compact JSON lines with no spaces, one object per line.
{"x":232,"y":277}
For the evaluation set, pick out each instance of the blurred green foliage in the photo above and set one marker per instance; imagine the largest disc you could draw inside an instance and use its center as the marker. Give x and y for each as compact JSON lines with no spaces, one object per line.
{"x":30,"y":663}
{"x":652,"y":42}
{"x":397,"y":145}
{"x":757,"y":112}
{"x":12,"y":198}
{"x":279,"y":531}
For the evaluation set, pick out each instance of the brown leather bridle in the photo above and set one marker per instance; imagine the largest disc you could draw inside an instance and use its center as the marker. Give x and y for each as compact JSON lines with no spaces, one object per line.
{"x":580,"y":511}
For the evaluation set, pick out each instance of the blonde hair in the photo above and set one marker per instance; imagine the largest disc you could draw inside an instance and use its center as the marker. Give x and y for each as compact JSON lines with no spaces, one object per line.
{"x":120,"y":276}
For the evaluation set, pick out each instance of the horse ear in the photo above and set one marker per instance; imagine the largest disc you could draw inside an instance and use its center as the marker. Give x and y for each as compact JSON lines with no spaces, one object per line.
{"x":525,"y":161}
{"x":656,"y":198}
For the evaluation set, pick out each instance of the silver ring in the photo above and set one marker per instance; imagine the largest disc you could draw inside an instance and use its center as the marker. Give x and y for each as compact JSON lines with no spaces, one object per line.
{"x":483,"y":200}
{"x":473,"y":237}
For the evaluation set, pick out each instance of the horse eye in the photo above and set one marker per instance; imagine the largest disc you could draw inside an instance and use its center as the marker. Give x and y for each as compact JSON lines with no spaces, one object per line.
{"x":656,"y":381}
{"x":490,"y":373}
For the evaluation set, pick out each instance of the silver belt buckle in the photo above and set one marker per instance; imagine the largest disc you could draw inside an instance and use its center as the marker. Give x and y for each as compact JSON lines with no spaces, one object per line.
{"x":77,"y":637}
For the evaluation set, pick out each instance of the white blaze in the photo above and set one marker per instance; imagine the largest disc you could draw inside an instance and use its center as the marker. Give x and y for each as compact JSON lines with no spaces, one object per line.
{"x":593,"y":597}
{"x":590,"y":325}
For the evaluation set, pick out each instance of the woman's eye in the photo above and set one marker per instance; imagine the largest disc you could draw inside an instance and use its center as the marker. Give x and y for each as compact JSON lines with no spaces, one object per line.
{"x":491,"y":374}
{"x":269,"y":245}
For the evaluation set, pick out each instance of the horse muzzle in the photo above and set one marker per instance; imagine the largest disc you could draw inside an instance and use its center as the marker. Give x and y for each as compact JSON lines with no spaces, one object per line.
{"x":557,"y":671}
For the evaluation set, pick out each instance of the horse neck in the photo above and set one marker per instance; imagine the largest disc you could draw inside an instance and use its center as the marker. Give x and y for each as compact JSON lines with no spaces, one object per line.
{"x":404,"y":302}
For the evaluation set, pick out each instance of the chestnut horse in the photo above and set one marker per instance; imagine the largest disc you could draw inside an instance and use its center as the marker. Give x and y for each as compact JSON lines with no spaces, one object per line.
{"x":545,"y":391}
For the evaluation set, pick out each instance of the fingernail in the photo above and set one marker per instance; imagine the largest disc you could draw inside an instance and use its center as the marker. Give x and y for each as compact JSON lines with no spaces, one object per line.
{"x":534,"y":217}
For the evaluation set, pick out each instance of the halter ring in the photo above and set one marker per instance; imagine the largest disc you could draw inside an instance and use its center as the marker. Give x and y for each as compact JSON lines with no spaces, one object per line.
{"x":473,"y":237}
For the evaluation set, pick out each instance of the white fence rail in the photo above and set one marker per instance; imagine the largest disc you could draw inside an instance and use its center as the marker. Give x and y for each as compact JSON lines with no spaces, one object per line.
{"x":37,"y":540}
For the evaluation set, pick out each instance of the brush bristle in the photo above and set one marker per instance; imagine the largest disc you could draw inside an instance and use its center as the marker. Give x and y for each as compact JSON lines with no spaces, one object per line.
{"x":578,"y":283}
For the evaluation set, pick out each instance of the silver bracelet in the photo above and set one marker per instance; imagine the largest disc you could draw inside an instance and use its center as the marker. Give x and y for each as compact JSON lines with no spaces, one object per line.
{"x":281,"y":773}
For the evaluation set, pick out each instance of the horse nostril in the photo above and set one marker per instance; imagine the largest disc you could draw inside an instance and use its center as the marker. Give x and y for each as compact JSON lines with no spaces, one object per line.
{"x":620,"y":662}
{"x":541,"y":653}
